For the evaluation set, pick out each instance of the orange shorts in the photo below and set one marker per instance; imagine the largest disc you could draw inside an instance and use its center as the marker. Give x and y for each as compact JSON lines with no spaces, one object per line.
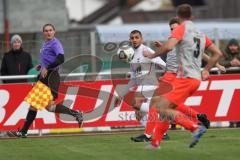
{"x":168,"y":77}
{"x":182,"y":89}
{"x":165,"y":84}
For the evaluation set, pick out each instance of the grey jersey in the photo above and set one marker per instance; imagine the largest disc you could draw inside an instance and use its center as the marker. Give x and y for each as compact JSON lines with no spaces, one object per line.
{"x":171,"y":62}
{"x":189,"y":50}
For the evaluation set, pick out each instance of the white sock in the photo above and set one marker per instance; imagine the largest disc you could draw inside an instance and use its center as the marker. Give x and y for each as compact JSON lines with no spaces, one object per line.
{"x":143,"y":121}
{"x":145,"y":107}
{"x":147,"y":135}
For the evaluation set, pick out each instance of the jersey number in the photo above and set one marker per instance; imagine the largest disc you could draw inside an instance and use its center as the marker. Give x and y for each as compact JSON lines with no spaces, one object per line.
{"x":197,"y":51}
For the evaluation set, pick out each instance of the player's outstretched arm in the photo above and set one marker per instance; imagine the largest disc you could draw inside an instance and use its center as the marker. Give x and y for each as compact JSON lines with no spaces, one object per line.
{"x":165,"y":48}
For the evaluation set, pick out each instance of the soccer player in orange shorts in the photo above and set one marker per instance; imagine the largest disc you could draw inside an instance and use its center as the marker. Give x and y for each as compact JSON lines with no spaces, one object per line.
{"x":170,"y":75}
{"x":152,"y":118}
{"x":190,"y":44}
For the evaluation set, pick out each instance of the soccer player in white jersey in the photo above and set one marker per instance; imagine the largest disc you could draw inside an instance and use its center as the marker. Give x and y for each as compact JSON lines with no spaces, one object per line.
{"x":190,"y":44}
{"x":149,"y":120}
{"x":142,"y":75}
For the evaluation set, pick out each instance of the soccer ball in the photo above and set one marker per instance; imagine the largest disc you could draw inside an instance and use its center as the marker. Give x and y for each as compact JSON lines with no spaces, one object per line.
{"x":126,"y":53}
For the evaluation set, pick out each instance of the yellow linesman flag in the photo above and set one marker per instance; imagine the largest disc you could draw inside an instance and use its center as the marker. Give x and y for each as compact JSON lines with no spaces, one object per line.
{"x":39,"y":96}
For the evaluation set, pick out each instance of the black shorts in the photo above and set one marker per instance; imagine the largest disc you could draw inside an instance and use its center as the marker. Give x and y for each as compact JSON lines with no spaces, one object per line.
{"x":52,"y":80}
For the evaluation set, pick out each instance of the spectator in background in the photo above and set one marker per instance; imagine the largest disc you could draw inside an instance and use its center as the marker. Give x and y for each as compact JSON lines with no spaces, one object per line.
{"x":231,"y":58}
{"x":16,"y":61}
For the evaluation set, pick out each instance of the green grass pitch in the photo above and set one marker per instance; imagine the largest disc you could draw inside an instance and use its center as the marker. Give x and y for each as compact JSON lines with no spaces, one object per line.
{"x":216,"y":144}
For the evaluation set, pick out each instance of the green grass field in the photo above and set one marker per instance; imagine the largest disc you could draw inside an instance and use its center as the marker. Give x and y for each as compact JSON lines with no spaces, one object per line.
{"x":222,"y":144}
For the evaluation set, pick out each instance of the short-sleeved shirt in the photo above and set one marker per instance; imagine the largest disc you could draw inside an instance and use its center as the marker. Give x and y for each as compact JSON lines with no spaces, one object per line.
{"x":190,"y":49}
{"x":142,"y":66}
{"x":143,"y":73}
{"x":49,"y":51}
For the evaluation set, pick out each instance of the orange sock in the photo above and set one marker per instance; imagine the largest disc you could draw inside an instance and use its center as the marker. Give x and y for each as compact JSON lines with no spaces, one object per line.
{"x":187,"y":110}
{"x":185,"y":122}
{"x":151,"y":122}
{"x":160,"y":129}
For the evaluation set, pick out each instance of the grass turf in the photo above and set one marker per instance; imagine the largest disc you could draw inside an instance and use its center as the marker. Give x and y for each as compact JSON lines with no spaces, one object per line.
{"x":215,"y":145}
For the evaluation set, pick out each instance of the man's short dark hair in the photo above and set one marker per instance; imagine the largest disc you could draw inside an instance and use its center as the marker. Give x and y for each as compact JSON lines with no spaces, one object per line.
{"x":136,"y":31}
{"x":184,"y":11}
{"x":173,"y":21}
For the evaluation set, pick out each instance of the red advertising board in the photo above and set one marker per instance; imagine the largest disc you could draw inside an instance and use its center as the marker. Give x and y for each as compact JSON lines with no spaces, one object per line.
{"x":218,"y":98}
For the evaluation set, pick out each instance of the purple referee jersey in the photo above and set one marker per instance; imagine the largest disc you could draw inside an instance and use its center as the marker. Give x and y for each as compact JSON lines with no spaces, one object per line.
{"x":49,"y":51}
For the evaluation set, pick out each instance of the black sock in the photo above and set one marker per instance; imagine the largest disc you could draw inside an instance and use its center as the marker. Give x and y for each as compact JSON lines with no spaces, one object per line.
{"x":29,"y":119}
{"x":63,"y":109}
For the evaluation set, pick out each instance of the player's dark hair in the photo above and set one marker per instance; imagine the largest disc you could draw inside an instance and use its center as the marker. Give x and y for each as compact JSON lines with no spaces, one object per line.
{"x":173,"y":21}
{"x":48,"y":24}
{"x":184,"y":11}
{"x":136,"y":31}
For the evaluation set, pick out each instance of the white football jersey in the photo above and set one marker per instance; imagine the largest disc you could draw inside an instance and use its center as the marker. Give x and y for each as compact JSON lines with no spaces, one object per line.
{"x":143,"y":72}
{"x":142,"y":66}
